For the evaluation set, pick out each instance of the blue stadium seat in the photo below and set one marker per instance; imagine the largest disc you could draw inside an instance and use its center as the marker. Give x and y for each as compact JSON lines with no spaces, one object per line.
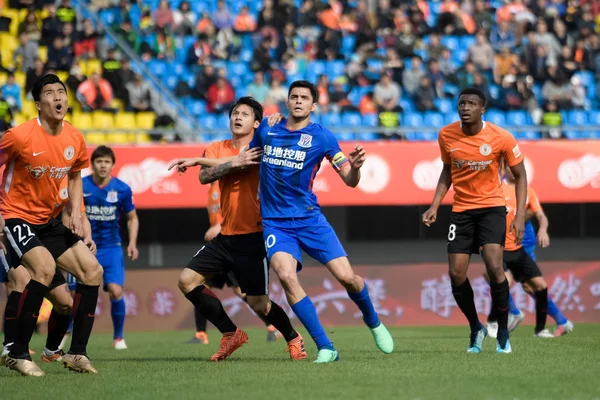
{"x":176,"y":68}
{"x":577,"y":117}
{"x":171,"y":81}
{"x":348,"y":44}
{"x":335,"y":68}
{"x":331,"y":120}
{"x":316,"y":68}
{"x":370,"y":120}
{"x":407,"y":105}
{"x":495,"y":91}
{"x":237,"y":68}
{"x":351,"y":120}
{"x":528,"y":135}
{"x":451,"y":117}
{"x":196,"y":107}
{"x":375,"y":63}
{"x":246,"y":55}
{"x":367,"y":136}
{"x":594,"y":117}
{"x":412,"y":119}
{"x":421,"y":136}
{"x":587,"y":78}
{"x":344,"y":136}
{"x":223,"y":121}
{"x":208,"y":121}
{"x":354,"y":97}
{"x":576,"y":135}
{"x":517,"y":118}
{"x":443,"y":105}
{"x":434,"y":119}
{"x":467,"y":41}
{"x":450,"y":42}
{"x":496,"y":117}
{"x":158,"y":68}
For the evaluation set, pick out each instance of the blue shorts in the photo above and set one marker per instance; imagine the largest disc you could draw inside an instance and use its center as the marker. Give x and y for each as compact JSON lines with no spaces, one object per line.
{"x":312,"y":234}
{"x":112,"y":261}
{"x":531,"y":251}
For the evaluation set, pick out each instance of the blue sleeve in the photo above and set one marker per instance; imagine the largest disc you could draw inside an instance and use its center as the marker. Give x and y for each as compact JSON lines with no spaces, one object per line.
{"x":258,"y":134}
{"x":127,"y":200}
{"x":332,"y":150}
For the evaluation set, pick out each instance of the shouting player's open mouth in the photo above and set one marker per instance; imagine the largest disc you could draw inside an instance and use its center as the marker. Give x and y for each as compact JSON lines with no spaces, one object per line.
{"x":465,"y":116}
{"x":58,"y":107}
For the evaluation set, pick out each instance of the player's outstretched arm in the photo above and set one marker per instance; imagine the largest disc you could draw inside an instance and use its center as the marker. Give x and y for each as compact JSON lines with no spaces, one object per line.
{"x":356,"y":159}
{"x":246,"y":158}
{"x":430,"y":216}
{"x":182,"y":164}
{"x":518,"y":224}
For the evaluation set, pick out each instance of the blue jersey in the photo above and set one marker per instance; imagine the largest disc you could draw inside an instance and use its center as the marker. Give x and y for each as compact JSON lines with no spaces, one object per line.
{"x":529,"y":237}
{"x":290,"y":162}
{"x":103,"y":206}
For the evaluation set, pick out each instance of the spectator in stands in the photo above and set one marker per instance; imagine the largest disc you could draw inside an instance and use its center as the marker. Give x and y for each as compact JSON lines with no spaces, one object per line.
{"x":482,"y":53}
{"x":542,"y":37}
{"x":66,"y":13}
{"x":258,"y":87}
{"x":466,"y":75}
{"x":222,"y":17}
{"x":384,"y":17}
{"x":51,"y":27}
{"x":261,"y":60}
{"x":563,"y":36}
{"x":270,"y":107}
{"x":554,"y":89}
{"x":164,"y":24}
{"x":308,"y":20}
{"x":126,"y":76}
{"x":286,"y":46}
{"x":323,"y":91}
{"x":503,"y":36}
{"x":220,"y":96}
{"x":244,"y":22}
{"x":405,"y":42}
{"x":425,"y":95}
{"x":32,"y":75}
{"x":199,"y":53}
{"x":68,"y":36}
{"x":6,"y":115}
{"x":278,"y":93}
{"x":204,"y":79}
{"x":30,"y":26}
{"x":576,"y":92}
{"x":185,"y":19}
{"x":447,"y":66}
{"x":12,"y":93}
{"x":95,"y":94}
{"x":482,"y":16}
{"x":434,"y":48}
{"x":59,"y":57}
{"x":329,"y":45}
{"x":435,"y":74}
{"x":411,"y":77}
{"x":75,"y":78}
{"x":393,"y":64}
{"x":25,"y":55}
{"x":367,"y":105}
{"x":503,"y":62}
{"x":86,"y":43}
{"x":582,"y":56}
{"x":387,"y":93}
{"x":338,"y":99}
{"x":552,"y":118}
{"x":140,"y":95}
{"x":567,"y":63}
{"x":111,"y":70}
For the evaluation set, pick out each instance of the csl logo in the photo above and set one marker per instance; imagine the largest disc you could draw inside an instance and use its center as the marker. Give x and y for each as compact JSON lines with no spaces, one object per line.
{"x":150,"y":174}
{"x":575,"y":174}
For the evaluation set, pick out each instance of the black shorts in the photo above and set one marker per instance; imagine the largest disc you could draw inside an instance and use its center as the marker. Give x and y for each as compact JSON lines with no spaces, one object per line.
{"x":521,"y":265}
{"x":471,"y":229}
{"x":244,"y":255}
{"x":21,"y":236}
{"x":222,"y":280}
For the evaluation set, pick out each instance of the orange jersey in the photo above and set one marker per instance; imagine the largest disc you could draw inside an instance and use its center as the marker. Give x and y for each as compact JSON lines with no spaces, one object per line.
{"x":533,"y":205}
{"x":36,"y":165}
{"x":214,"y":204}
{"x":63,"y":199}
{"x":240,"y":206}
{"x":474,"y":163}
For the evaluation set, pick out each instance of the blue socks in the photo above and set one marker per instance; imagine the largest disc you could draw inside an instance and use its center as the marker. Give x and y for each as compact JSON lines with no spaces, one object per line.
{"x":117,"y":313}
{"x":555,"y":313}
{"x":363,"y":301}
{"x":307,"y":314}
{"x":512,"y":307}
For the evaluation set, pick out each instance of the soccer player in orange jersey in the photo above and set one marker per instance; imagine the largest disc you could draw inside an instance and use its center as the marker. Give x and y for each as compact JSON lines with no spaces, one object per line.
{"x":38,"y":155}
{"x":471,"y":151}
{"x":239,"y":248}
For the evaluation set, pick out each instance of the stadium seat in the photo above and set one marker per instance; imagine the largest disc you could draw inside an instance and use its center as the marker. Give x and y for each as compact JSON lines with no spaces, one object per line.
{"x":528,"y":135}
{"x":120,"y":137}
{"x":407,"y":105}
{"x":20,"y":118}
{"x":496,"y":117}
{"x":495,"y":91}
{"x":29,"y":109}
{"x":95,"y":137}
{"x":450,"y":42}
{"x":237,"y":69}
{"x":158,"y":68}
{"x":412,"y":120}
{"x":208,"y":121}
{"x":367,"y":136}
{"x":351,"y":120}
{"x":450,"y":118}
{"x":434,"y":119}
{"x":443,"y":105}
{"x":145,"y":120}
{"x":466,"y":42}
{"x":223,"y":121}
{"x":82,"y":121}
{"x":125,"y":120}
{"x":594,"y":117}
{"x":331,"y":120}
{"x":335,"y":68}
{"x":576,"y":135}
{"x":348,"y":44}
{"x":516,"y":118}
{"x":370,"y":120}
{"x":577,"y":117}
{"x":102,"y":120}
{"x":93,"y":66}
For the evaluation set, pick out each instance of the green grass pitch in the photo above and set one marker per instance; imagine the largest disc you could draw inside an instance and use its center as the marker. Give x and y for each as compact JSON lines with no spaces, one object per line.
{"x":428,"y":363}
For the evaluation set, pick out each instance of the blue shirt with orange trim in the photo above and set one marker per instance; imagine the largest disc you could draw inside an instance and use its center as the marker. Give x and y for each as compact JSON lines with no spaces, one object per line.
{"x":290,"y":162}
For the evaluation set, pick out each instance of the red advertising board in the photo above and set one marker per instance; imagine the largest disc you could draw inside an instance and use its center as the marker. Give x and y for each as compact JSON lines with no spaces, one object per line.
{"x":395,"y":173}
{"x":402,"y":294}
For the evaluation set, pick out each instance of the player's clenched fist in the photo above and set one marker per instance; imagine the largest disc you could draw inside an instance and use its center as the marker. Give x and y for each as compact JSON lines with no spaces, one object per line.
{"x":429,"y":216}
{"x":357,"y":156}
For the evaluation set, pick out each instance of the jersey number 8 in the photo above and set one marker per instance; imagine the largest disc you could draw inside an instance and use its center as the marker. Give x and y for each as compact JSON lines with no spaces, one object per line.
{"x":452,"y":232}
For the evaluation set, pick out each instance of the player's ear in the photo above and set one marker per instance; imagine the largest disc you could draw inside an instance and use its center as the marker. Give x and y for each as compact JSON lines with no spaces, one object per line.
{"x":256,"y":124}
{"x":37,"y":105}
{"x":314,"y":107}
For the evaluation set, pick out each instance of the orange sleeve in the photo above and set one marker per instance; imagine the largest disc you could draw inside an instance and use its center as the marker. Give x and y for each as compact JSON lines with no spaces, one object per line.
{"x":9,"y":146}
{"x":445,"y":156}
{"x":82,"y":156}
{"x":533,"y":202}
{"x":510,"y":151}
{"x":212,"y":151}
{"x":214,"y":204}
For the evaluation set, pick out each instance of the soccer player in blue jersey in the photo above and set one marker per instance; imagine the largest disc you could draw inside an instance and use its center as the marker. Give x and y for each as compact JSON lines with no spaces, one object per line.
{"x":292,"y":220}
{"x":105,"y":198}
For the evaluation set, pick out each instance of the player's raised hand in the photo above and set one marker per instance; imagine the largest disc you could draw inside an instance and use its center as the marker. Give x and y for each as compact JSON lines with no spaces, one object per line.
{"x":543,"y":239}
{"x":518,"y":228}
{"x":182,"y":164}
{"x":429,"y":216}
{"x":90,"y":244}
{"x":274,"y":119}
{"x":132,"y":252}
{"x":247,"y":157}
{"x":357,"y":156}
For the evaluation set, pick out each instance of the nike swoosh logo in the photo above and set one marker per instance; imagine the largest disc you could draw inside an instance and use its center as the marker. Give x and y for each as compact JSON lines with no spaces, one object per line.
{"x":453,"y":150}
{"x":87,"y":194}
{"x":91,"y":315}
{"x":27,"y":241}
{"x":271,"y":134}
{"x":37,"y":154}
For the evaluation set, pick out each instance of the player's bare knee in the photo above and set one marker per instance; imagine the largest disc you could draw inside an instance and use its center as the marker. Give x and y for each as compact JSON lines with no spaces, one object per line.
{"x":44,"y":273}
{"x":115,"y":292}
{"x":63,"y":309}
{"x":537,"y":284}
{"x":288,"y":278}
{"x":188,"y":280}
{"x":457,"y":276}
{"x":349,"y":280}
{"x":92,"y":274}
{"x":259,"y":304}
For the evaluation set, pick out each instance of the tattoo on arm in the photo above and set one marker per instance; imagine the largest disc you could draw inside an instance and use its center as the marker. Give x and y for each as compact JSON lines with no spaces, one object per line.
{"x":211,"y":174}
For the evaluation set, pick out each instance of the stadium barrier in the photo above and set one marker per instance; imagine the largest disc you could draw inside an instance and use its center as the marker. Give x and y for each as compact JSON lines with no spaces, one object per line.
{"x":402,"y":294}
{"x":395,"y":173}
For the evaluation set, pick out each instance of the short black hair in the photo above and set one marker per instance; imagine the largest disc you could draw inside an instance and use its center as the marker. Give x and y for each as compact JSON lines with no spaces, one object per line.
{"x":305,"y":84}
{"x":250,"y":102}
{"x":103,"y":151}
{"x":38,"y":85}
{"x":476,"y":92}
